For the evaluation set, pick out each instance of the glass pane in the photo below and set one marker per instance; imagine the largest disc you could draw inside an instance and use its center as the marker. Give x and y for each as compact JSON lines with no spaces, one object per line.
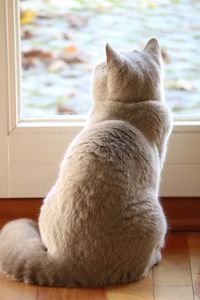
{"x":62,"y":40}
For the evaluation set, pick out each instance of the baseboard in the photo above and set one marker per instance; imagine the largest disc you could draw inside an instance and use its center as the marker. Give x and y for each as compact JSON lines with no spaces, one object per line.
{"x":15,"y":208}
{"x":182,"y":213}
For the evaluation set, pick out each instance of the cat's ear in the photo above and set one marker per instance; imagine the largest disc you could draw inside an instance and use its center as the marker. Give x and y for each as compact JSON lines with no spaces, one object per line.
{"x":111,"y":55}
{"x":152,"y":47}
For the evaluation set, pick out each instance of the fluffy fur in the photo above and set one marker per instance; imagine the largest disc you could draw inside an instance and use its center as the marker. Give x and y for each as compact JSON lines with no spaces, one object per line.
{"x":102,"y":222}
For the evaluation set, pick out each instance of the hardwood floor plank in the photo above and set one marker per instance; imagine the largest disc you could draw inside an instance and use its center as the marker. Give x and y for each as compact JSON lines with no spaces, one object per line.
{"x":13,"y":290}
{"x":45,"y":293}
{"x":142,"y":290}
{"x":173,"y":293}
{"x":194,"y":251}
{"x":172,"y":277}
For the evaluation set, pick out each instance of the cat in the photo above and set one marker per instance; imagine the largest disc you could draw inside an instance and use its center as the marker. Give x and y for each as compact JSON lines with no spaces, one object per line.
{"x":102,"y":222}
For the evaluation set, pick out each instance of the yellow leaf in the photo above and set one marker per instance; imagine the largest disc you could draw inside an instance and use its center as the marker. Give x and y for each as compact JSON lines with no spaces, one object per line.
{"x":71,"y":48}
{"x":26,"y":17}
{"x":152,"y":5}
{"x":101,"y":7}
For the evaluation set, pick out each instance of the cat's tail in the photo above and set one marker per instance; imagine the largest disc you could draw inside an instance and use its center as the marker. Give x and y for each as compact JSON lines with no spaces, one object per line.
{"x":24,"y":257}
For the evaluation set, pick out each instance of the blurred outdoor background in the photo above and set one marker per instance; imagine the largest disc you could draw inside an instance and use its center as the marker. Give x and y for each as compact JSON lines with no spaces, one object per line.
{"x":62,"y":40}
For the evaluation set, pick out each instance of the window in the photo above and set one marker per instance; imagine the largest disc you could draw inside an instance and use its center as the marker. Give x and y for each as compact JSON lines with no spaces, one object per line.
{"x":61,"y":41}
{"x":37,"y":124}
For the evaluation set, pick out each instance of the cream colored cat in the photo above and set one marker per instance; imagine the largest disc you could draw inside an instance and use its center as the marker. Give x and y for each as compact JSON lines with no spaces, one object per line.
{"x":102,"y":222}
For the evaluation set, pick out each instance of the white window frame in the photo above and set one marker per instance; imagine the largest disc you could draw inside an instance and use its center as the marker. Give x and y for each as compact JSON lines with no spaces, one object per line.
{"x":31,"y":150}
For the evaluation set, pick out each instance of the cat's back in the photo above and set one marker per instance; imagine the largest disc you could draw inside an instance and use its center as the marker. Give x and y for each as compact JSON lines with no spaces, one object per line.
{"x":111,"y":146}
{"x":111,"y":160}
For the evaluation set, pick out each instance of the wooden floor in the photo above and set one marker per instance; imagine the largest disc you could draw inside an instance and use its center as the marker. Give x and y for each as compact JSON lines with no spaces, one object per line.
{"x":177,"y":277}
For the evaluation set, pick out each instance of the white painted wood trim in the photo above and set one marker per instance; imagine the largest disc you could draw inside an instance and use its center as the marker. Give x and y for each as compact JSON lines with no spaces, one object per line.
{"x":4,"y":150}
{"x":13,"y":61}
{"x":64,"y":125}
{"x":33,"y":153}
{"x":35,"y":181}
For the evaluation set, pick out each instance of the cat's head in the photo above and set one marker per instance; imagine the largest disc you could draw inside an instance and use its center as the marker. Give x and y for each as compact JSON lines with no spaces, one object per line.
{"x":130,"y":76}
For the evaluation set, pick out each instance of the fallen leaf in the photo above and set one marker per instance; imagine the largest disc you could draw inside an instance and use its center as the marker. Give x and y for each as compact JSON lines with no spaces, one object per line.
{"x":181,"y":85}
{"x":67,"y":36}
{"x":46,"y":16}
{"x":57,"y":66}
{"x":151,"y":5}
{"x":103,"y":7}
{"x":165,"y":56}
{"x":36,"y":53}
{"x":71,"y":48}
{"x":27,"y":63}
{"x":64,"y":110}
{"x":185,"y":85}
{"x":26,"y":17}
{"x":71,"y":58}
{"x":76,"y":21}
{"x":26,"y":35}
